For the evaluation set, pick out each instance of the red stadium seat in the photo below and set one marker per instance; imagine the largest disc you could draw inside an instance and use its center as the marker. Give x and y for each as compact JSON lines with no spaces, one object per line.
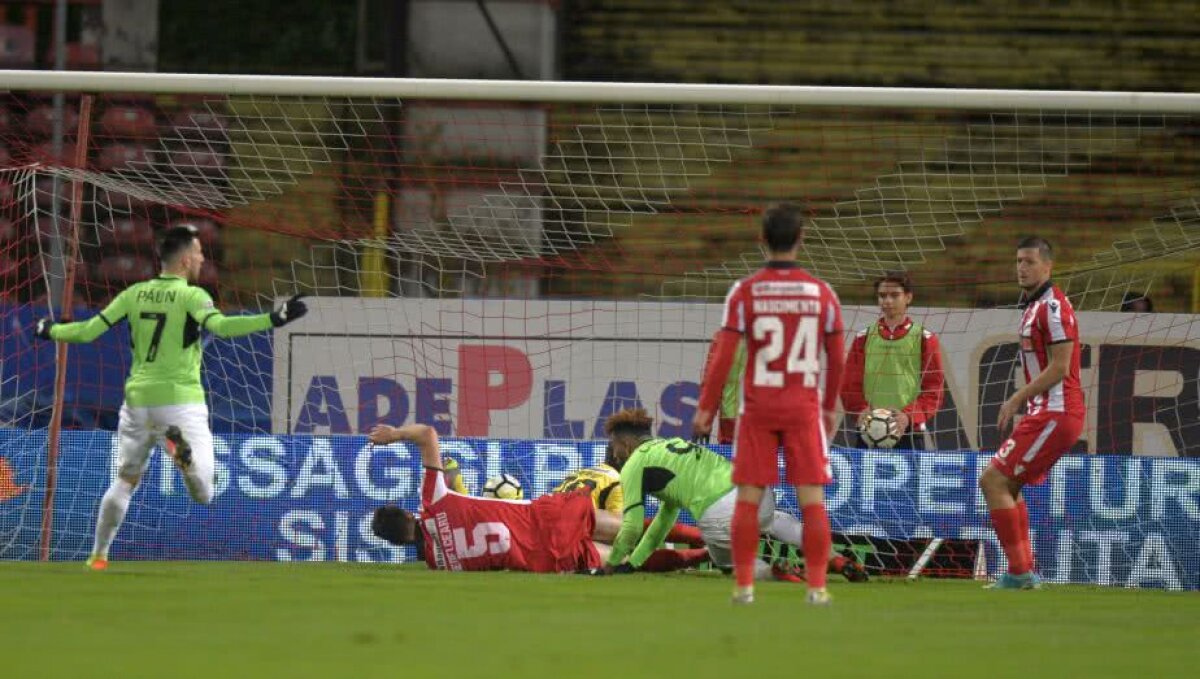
{"x":124,"y":269}
{"x":120,"y":202}
{"x":80,"y":56}
{"x":44,"y":153}
{"x":43,"y":188}
{"x":197,"y":158}
{"x":10,"y":231}
{"x":10,"y":268}
{"x":115,"y":156}
{"x":6,"y":119}
{"x":127,"y":233}
{"x":198,"y":123}
{"x":40,"y":119}
{"x":8,"y":194}
{"x":16,"y":46}
{"x":136,"y":122}
{"x":5,"y":157}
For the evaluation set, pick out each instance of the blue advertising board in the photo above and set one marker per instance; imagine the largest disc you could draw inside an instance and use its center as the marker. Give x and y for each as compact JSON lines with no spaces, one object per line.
{"x":1105,"y":519}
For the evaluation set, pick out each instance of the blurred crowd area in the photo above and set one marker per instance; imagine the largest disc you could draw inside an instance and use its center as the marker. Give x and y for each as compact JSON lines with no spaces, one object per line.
{"x":1113,"y":191}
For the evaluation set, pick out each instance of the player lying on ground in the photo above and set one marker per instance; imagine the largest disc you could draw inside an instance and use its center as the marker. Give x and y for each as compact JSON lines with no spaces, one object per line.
{"x":603,"y":483}
{"x":1054,"y":410}
{"x":163,"y":394}
{"x":683,"y":475}
{"x":557,"y":533}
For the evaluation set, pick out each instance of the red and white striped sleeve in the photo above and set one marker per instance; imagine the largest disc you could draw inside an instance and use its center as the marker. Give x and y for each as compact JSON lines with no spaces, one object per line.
{"x":433,"y":486}
{"x":1058,"y":320}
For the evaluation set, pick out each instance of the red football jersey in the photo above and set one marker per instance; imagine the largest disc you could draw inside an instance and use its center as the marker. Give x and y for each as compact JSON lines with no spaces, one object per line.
{"x":784,"y":312}
{"x":464,"y":533}
{"x":1048,"y":319}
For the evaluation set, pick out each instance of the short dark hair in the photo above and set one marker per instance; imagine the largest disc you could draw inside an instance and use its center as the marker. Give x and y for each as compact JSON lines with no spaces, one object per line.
{"x":1041,"y":244}
{"x":395,"y":525}
{"x":782,"y":226}
{"x":175,"y":240}
{"x":900,"y":278}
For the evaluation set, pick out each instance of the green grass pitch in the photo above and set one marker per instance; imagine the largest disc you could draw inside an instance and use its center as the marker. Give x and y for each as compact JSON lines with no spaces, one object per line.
{"x":185,"y":619}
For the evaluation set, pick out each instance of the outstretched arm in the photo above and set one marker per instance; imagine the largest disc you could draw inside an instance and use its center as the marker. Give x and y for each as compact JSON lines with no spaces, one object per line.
{"x":423,"y":435}
{"x":84,"y":331}
{"x":211,"y":319}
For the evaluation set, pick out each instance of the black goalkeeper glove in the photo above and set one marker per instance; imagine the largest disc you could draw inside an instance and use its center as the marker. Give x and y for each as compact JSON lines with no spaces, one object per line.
{"x":291,"y":310}
{"x":42,"y":328}
{"x":623,"y":569}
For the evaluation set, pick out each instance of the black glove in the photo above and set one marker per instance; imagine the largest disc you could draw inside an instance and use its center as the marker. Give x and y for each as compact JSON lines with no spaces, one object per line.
{"x":42,"y":328}
{"x":290,"y":311}
{"x":623,"y":569}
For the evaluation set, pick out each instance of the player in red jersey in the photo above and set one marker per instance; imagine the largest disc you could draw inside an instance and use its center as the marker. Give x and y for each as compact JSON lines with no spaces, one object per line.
{"x":552,"y":534}
{"x":1049,"y":352}
{"x":788,"y":317}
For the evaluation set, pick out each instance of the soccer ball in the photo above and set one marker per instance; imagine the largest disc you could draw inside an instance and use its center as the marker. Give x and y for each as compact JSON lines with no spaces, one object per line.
{"x":503,"y":487}
{"x":878,"y":429}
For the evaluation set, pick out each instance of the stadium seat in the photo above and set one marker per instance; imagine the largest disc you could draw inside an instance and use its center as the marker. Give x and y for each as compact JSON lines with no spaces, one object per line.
{"x":198,"y":123}
{"x":128,"y":234}
{"x":122,"y":270}
{"x":6,"y":119}
{"x":44,"y":153}
{"x":120,"y":202}
{"x":116,"y":156}
{"x":197,"y":158}
{"x":16,"y":46}
{"x":80,"y":56}
{"x":5,"y":157}
{"x":10,"y":231}
{"x":40,"y":119}
{"x":128,"y":121}
{"x":43,"y":190}
{"x":10,"y":269}
{"x":7,"y":193}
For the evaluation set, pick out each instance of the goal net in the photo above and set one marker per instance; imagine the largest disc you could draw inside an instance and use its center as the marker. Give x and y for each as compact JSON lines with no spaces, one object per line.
{"x":513,"y":262}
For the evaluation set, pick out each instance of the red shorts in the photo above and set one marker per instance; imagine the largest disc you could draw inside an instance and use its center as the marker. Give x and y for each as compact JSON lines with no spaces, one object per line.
{"x":1036,"y":444}
{"x":563,"y":523}
{"x":757,"y":444}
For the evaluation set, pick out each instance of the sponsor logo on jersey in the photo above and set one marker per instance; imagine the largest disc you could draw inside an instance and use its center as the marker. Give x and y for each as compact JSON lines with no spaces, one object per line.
{"x":785,"y":289}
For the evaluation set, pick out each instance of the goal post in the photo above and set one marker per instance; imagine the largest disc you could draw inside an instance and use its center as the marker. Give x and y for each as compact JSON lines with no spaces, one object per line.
{"x":513,"y":261}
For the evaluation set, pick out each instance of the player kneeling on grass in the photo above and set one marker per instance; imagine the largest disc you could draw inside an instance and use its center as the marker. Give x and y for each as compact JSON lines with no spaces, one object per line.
{"x":163,"y":394}
{"x":683,"y":475}
{"x":556,"y":533}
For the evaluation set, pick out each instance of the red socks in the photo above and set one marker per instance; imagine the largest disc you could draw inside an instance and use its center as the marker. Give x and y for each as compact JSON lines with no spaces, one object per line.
{"x":664,"y":560}
{"x":1007,"y":523}
{"x":817,"y":544}
{"x":745,"y":542}
{"x":1026,"y":536}
{"x":681,"y":532}
{"x":689,"y":535}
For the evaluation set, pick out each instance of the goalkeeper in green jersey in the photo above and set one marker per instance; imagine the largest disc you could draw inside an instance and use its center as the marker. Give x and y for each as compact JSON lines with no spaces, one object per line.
{"x":683,"y":475}
{"x":163,"y":394}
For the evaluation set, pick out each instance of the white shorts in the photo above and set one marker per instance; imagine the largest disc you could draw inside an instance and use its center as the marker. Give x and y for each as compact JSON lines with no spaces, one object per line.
{"x":140,"y":429}
{"x":716,"y":525}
